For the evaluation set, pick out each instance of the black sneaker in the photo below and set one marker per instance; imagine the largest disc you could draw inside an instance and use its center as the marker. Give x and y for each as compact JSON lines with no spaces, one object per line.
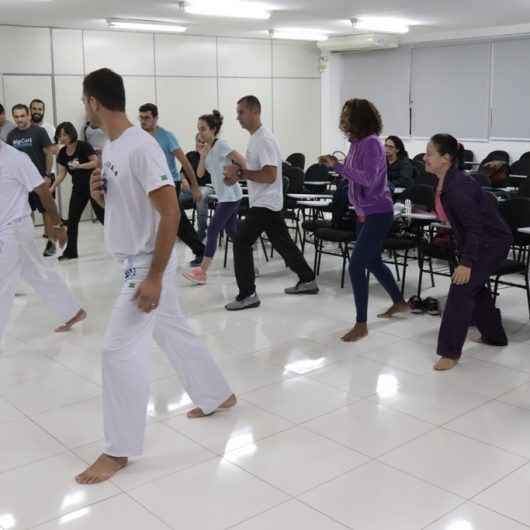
{"x":66,"y":257}
{"x":50,"y":249}
{"x":196,"y":262}
{"x":432,"y":306}
{"x":417,"y":305}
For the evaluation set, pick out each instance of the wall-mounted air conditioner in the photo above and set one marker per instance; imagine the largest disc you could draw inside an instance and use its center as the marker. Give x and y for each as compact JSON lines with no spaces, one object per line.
{"x":360,"y":42}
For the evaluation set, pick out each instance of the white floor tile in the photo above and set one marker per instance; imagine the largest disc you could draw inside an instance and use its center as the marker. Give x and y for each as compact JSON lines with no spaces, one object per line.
{"x":376,"y":497}
{"x":74,"y":425}
{"x":292,"y":514}
{"x":299,"y":399}
{"x":470,"y":516}
{"x":62,"y":388}
{"x":232,"y":429}
{"x":165,"y":451}
{"x":509,"y":496}
{"x":8,"y":412}
{"x":23,"y":442}
{"x":499,"y":424}
{"x":210,"y":496}
{"x":519,"y":396}
{"x":369,"y":427}
{"x":46,"y":490}
{"x":296,"y":460}
{"x":453,"y":462}
{"x":119,"y":512}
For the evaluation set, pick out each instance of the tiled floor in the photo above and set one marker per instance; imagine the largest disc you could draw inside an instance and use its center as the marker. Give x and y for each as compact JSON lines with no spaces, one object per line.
{"x":326,"y":436}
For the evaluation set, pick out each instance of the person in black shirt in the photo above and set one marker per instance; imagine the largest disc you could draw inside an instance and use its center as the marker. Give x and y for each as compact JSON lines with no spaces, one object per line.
{"x":35,"y":142}
{"x":79,"y":159}
{"x":399,"y":166}
{"x":186,"y":198}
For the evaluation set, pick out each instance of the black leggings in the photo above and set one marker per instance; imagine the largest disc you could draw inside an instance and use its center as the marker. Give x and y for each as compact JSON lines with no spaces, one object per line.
{"x":78,"y":202}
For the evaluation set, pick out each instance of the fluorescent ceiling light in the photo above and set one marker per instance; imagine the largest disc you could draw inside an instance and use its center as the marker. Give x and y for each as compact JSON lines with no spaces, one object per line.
{"x":381,"y":25}
{"x":145,"y":25}
{"x":298,"y":34}
{"x":227,"y":8}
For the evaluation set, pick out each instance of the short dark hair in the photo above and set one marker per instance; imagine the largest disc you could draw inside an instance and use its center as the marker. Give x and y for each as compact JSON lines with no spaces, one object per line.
{"x":400,"y":146}
{"x":447,"y":144}
{"x":20,"y":106}
{"x":37,"y":100}
{"x":252,"y":102}
{"x":2,"y":110}
{"x":213,"y":120}
{"x":105,"y":86}
{"x":149,"y":107}
{"x":67,"y":128}
{"x":360,"y":118}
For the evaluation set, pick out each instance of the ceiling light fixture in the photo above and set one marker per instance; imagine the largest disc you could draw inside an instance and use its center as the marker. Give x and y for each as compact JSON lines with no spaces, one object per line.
{"x":380,"y":25}
{"x":145,"y":25}
{"x":298,"y":34}
{"x":229,"y":9}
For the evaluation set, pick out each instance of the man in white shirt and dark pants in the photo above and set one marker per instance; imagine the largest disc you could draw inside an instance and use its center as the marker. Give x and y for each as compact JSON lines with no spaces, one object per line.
{"x":141,"y":212}
{"x":265,"y":193}
{"x":19,"y":256}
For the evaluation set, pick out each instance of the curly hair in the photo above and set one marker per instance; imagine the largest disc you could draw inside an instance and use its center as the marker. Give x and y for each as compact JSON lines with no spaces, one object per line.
{"x":360,"y":118}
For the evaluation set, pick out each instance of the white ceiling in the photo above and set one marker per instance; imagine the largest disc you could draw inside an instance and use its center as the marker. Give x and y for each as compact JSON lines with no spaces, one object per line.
{"x":331,"y":15}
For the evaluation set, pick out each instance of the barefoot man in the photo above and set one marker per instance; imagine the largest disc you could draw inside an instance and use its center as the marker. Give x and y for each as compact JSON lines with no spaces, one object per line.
{"x":19,"y":257}
{"x":141,"y":212}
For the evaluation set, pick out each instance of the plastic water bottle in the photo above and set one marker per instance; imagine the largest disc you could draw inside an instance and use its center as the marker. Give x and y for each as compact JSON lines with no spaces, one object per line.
{"x":408,"y":207}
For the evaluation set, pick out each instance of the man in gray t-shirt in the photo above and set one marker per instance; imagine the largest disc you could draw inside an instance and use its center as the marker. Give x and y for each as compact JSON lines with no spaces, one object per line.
{"x":5,"y":126}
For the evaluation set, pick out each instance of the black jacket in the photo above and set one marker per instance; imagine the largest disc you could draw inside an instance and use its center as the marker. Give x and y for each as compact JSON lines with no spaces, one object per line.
{"x":475,"y":218}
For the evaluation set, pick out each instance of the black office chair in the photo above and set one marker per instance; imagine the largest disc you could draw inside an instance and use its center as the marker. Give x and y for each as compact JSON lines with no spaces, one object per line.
{"x":521,"y":167}
{"x":317,"y":173}
{"x":419,"y":158}
{"x":297,"y":160}
{"x":469,"y":157}
{"x":524,"y":188}
{"x":421,"y":195}
{"x":496,"y":156}
{"x":516,"y":213}
{"x":421,"y":176}
{"x":525,"y":156}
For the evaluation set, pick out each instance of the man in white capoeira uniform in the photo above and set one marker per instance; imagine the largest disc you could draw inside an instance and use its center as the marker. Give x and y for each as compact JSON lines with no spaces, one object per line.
{"x":19,"y":256}
{"x":141,"y":213}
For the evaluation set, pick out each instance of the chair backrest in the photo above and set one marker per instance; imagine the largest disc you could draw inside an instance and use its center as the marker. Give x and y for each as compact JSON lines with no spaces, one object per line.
{"x":516,"y":212}
{"x":295,"y":176}
{"x":421,"y":176}
{"x":419,"y":158}
{"x":525,"y":156}
{"x":420,"y":195}
{"x":524,"y":188}
{"x":521,"y":167}
{"x":297,"y":160}
{"x":469,"y":156}
{"x":500,"y":156}
{"x":317,"y":172}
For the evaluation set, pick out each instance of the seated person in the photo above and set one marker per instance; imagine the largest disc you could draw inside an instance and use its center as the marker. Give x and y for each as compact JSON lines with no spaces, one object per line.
{"x":399,"y":165}
{"x":185,"y":196}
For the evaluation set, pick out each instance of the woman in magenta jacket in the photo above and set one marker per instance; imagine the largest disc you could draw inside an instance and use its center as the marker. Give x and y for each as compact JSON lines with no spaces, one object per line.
{"x":365,"y":168}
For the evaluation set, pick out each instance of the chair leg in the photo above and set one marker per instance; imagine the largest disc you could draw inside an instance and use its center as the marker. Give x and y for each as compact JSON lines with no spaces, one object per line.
{"x":396,"y":265}
{"x":264,"y":248}
{"x":344,"y":258}
{"x":405,"y":265}
{"x":226,"y":252}
{"x":315,"y":266}
{"x":321,"y":252}
{"x":431,"y":271}
{"x":420,"y":267}
{"x":527,"y":291}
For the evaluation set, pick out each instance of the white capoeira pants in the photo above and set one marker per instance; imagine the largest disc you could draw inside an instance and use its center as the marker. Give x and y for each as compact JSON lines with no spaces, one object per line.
{"x":21,"y":259}
{"x":126,"y":360}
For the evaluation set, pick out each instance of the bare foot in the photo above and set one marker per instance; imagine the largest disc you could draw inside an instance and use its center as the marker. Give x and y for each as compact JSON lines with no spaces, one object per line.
{"x":198,"y":413}
{"x":67,"y":326}
{"x":402,"y":307}
{"x":358,"y":332}
{"x":445,"y":363}
{"x":102,"y":469}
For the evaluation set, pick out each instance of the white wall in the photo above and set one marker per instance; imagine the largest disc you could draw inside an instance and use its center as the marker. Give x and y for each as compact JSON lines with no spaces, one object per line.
{"x":462,"y":88}
{"x":185,"y":75}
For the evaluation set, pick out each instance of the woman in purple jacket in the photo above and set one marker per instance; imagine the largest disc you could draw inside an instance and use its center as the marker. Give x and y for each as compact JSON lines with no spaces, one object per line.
{"x":365,"y":168}
{"x":483,"y":241}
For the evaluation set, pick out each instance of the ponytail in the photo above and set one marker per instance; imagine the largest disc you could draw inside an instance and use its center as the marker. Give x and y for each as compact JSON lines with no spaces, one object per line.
{"x":448,"y":145}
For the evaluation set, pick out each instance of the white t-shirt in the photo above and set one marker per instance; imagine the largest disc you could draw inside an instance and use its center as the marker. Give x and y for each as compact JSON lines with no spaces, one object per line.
{"x":18,"y":176}
{"x":134,"y":166}
{"x":50,"y":129}
{"x":215,"y":162}
{"x":263,"y":150}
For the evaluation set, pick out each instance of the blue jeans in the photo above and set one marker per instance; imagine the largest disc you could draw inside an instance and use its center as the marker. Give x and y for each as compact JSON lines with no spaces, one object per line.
{"x":366,"y":258}
{"x":201,"y":208}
